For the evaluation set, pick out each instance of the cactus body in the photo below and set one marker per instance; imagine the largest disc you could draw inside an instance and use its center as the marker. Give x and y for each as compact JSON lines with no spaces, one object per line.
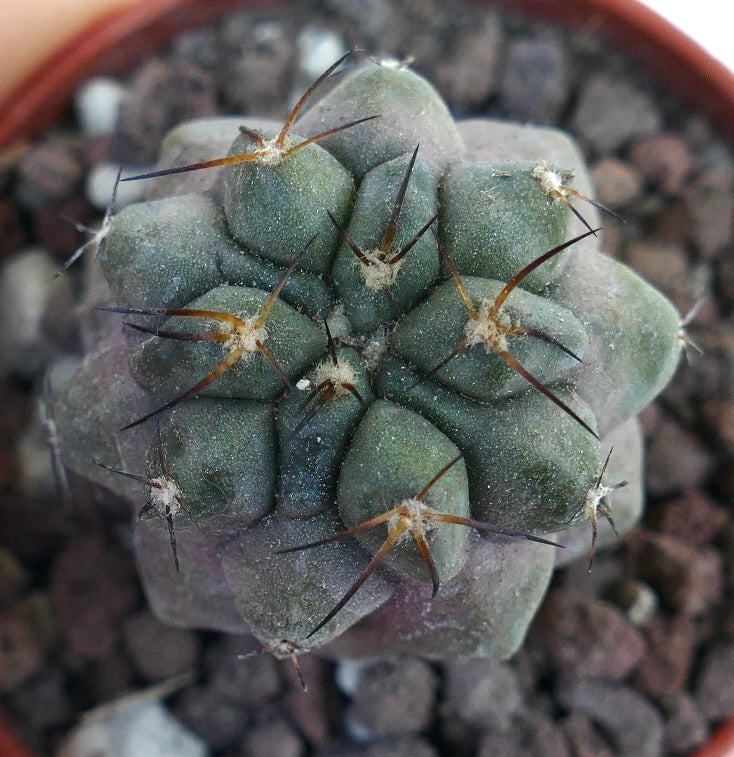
{"x":357,"y":408}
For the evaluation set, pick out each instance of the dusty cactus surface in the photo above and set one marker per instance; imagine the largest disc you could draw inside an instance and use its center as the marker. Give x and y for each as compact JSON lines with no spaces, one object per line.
{"x":356,"y":375}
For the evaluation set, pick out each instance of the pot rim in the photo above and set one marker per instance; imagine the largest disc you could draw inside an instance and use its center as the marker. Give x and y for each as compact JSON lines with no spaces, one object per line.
{"x":117,"y":41}
{"x":663,"y":49}
{"x":721,"y":743}
{"x":11,"y":744}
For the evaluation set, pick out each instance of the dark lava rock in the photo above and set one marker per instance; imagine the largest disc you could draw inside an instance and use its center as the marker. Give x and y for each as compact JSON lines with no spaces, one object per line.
{"x":671,"y":644}
{"x":632,"y":723}
{"x":676,"y":460}
{"x":469,"y":76}
{"x":481,"y":693}
{"x":533,"y":735}
{"x":664,"y":160}
{"x":49,"y":171}
{"x":275,"y":738}
{"x":617,"y":183}
{"x":535,"y":79}
{"x":219,"y":722}
{"x":688,"y":579}
{"x":612,"y":111}
{"x":692,"y":517}
{"x":162,"y":96}
{"x":685,"y":726}
{"x":584,"y":738}
{"x":393,"y":698}
{"x":159,"y":651}
{"x":247,"y":680}
{"x":93,"y":586}
{"x":714,"y":690}
{"x":586,"y":637}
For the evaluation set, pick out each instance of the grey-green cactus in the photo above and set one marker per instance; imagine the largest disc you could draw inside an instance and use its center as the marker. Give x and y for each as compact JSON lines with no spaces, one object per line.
{"x":380,"y":350}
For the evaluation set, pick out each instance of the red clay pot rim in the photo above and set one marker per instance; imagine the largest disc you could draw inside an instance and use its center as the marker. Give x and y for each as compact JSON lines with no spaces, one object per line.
{"x":11,"y":744}
{"x":119,"y":40}
{"x":721,"y":744}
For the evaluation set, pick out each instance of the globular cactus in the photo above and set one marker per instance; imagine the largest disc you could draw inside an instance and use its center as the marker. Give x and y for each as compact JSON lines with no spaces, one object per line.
{"x":379,"y":351}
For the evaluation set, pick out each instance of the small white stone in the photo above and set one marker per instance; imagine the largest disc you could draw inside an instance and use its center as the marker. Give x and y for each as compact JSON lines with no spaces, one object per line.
{"x":34,"y":475}
{"x":98,"y":105}
{"x":358,"y":731}
{"x":26,"y":281}
{"x":318,"y":49}
{"x":348,"y":675}
{"x":146,"y":729}
{"x":643,"y":605}
{"x":100,"y":184}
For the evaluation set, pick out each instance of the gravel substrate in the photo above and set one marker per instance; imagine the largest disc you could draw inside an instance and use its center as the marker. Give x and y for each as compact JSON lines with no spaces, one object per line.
{"x":635,"y":659}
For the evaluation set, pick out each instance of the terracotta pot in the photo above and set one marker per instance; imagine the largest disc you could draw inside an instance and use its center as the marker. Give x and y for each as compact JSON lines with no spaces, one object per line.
{"x":10,"y":743}
{"x":721,"y":745}
{"x":113,"y":43}
{"x":118,"y":40}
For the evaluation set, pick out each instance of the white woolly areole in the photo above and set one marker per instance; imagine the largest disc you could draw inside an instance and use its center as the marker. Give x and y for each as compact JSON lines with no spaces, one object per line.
{"x":550,"y":181}
{"x":98,"y":237}
{"x":165,"y":495}
{"x":244,"y":336}
{"x":418,"y":515}
{"x":380,"y":274}
{"x":593,"y":498}
{"x":284,"y":649}
{"x":487,"y":329}
{"x":270,"y":154}
{"x":336,"y":375}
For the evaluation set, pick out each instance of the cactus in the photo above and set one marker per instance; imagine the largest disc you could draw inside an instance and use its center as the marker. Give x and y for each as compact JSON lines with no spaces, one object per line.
{"x":370,"y":372}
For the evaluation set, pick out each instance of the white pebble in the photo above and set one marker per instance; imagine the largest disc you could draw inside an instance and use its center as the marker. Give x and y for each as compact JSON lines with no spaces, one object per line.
{"x":26,"y":280}
{"x":34,"y":474}
{"x":643,"y":605}
{"x":100,"y":184}
{"x":98,"y":105}
{"x":358,"y":732}
{"x":348,"y":675}
{"x":142,"y":729}
{"x":318,"y":49}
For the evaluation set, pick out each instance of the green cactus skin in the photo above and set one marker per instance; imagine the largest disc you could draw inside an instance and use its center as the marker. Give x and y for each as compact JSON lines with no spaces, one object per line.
{"x":484,"y":225}
{"x":295,"y":341}
{"x":545,"y":449}
{"x":179,"y":247}
{"x":359,"y":286}
{"x":274,"y":209}
{"x":232,"y":478}
{"x":393,"y":453}
{"x":430,"y":332}
{"x":403,"y":101}
{"x":311,"y":448}
{"x":346,"y":442}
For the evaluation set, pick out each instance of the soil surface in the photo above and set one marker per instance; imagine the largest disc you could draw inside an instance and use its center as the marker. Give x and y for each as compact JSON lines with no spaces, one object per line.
{"x":634,"y":659}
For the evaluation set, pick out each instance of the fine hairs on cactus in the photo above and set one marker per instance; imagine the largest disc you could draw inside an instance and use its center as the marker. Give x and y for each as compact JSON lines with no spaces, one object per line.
{"x":370,"y":372}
